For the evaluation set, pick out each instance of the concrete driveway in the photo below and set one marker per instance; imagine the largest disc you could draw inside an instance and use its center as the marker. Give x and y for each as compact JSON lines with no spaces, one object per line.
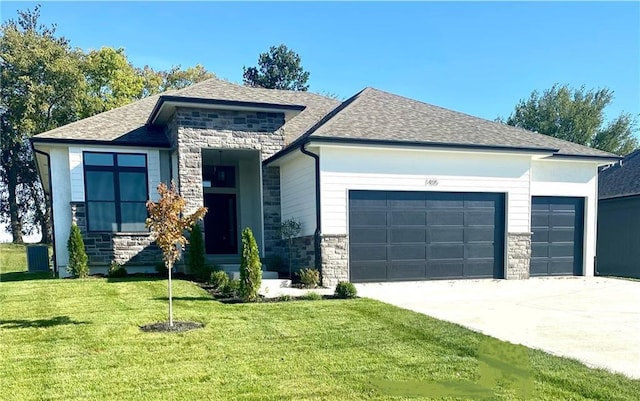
{"x":592,"y":319}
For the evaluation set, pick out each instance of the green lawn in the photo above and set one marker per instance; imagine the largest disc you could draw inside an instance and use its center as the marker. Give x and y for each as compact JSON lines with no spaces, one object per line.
{"x":13,"y":258}
{"x":79,"y":340}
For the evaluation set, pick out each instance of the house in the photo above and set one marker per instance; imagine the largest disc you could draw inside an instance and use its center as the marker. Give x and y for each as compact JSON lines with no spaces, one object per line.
{"x":618,"y":244}
{"x":386,"y":188}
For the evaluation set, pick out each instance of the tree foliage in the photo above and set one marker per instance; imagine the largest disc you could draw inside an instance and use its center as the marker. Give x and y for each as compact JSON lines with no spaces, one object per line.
{"x":45,"y":83}
{"x":78,"y":260}
{"x":279,"y":68}
{"x":168,"y":224}
{"x":250,"y":267}
{"x":576,"y":115}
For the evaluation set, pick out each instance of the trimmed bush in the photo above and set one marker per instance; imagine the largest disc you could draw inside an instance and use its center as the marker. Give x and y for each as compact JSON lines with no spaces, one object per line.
{"x":196,"y":262}
{"x":250,"y":267}
{"x":116,"y":270}
{"x":309,"y":278}
{"x":218,"y":279}
{"x":312,"y":296}
{"x":230,"y":288}
{"x":78,"y":260}
{"x":345,"y":289}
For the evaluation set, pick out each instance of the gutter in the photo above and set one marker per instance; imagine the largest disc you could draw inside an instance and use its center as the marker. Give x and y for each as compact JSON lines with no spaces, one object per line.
{"x":316,"y":234}
{"x":53,"y":227}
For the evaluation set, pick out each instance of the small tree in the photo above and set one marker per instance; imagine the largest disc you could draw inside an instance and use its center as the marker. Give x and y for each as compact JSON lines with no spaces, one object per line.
{"x":78,"y":260}
{"x":197,"y":265}
{"x":289,"y":229}
{"x":250,"y":267}
{"x":168,"y":224}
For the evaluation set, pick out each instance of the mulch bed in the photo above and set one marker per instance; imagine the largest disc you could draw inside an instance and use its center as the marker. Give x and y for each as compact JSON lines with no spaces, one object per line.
{"x":178,"y":327}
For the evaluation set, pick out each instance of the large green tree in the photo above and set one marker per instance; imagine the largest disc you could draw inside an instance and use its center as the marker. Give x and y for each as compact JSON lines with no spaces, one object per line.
{"x":576,"y":115}
{"x":41,"y":85}
{"x":279,"y":68}
{"x":45,"y":83}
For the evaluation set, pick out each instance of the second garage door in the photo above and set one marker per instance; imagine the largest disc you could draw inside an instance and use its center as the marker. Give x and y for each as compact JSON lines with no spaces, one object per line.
{"x":396,"y":235}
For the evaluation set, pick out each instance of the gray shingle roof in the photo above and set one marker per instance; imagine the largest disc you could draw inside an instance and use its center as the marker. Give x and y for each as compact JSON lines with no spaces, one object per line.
{"x":378,"y":115}
{"x":126,"y":124}
{"x":369,"y":115}
{"x":621,"y":180}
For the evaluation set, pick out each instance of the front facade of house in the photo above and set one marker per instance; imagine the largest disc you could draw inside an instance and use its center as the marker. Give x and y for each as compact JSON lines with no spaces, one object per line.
{"x":386,"y":188}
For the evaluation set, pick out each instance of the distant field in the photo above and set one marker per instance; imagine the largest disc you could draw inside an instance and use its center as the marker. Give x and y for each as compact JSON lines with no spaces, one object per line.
{"x":13,"y":258}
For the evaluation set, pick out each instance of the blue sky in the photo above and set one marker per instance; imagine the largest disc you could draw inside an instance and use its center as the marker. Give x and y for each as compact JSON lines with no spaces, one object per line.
{"x":479,"y":58}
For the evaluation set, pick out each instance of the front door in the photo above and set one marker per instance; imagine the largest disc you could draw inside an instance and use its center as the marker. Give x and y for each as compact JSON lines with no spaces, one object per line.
{"x":220,"y":224}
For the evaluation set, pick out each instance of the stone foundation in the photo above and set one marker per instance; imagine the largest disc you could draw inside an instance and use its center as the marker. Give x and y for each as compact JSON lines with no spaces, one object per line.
{"x":335,"y":259}
{"x":127,"y":249}
{"x":518,"y":256}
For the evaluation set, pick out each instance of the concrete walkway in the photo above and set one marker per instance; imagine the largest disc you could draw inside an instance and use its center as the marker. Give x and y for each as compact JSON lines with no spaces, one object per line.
{"x":592,"y":319}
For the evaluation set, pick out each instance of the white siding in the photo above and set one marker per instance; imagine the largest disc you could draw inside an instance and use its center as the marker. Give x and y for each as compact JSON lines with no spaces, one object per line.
{"x":77,"y":172}
{"x":567,"y":178}
{"x":61,"y":209}
{"x":297,"y":186}
{"x":344,"y":169}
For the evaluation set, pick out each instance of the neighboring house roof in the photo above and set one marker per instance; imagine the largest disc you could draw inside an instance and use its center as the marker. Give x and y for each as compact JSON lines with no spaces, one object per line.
{"x":621,"y":179}
{"x":370,"y":115}
{"x":376,"y":115}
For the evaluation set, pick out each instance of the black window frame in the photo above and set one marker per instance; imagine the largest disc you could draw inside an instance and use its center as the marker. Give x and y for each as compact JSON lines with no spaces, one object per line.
{"x":115,"y":169}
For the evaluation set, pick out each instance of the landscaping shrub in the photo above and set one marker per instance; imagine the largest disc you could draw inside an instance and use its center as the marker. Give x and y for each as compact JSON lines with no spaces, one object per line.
{"x":286,"y":298}
{"x":345,"y":289}
{"x":230,"y":288}
{"x":250,"y":267}
{"x":116,"y":270}
{"x":218,"y":279}
{"x":78,"y":260}
{"x":196,"y":261}
{"x":309,"y":278}
{"x":312,"y":296}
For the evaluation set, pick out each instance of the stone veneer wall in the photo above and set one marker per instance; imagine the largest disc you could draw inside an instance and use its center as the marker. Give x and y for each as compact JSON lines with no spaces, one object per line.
{"x":302,"y":253}
{"x":124,"y":248}
{"x":518,"y":256}
{"x":335,"y":259}
{"x":193,"y":129}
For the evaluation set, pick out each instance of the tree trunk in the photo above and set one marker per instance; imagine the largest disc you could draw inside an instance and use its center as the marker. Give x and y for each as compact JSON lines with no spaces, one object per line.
{"x":169,"y":267}
{"x":45,"y":223}
{"x":14,"y":216}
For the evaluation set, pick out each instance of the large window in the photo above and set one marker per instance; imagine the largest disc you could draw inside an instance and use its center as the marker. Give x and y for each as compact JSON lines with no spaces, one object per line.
{"x":115,"y":191}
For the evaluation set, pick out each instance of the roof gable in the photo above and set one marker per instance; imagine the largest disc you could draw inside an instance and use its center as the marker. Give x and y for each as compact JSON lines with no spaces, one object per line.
{"x":621,"y":179}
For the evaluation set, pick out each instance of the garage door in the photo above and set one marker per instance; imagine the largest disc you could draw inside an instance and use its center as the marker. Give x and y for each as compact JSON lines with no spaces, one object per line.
{"x":556,"y":243}
{"x":396,"y":235}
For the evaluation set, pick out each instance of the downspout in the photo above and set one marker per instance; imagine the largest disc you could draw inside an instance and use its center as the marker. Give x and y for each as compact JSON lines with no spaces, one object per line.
{"x":53,"y":227}
{"x":316,"y":234}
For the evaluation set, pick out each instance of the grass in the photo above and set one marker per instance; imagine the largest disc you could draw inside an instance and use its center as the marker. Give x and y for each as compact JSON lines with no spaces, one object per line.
{"x":80,"y":340}
{"x":13,"y":264}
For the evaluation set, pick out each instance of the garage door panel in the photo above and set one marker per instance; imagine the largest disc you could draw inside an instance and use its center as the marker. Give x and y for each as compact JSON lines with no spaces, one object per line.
{"x":562,"y":220}
{"x":446,"y":218}
{"x":407,"y":218}
{"x":371,"y":271}
{"x":446,"y":251}
{"x":368,"y":235}
{"x":474,"y":251}
{"x":407,"y":235}
{"x":478,"y":268}
{"x":446,"y":235}
{"x":407,"y":252}
{"x":442,"y":269}
{"x":407,"y":271}
{"x":556,"y":243}
{"x":398,"y":235}
{"x":368,"y":218}
{"x":358,"y":199}
{"x":479,"y":218}
{"x":368,"y":252}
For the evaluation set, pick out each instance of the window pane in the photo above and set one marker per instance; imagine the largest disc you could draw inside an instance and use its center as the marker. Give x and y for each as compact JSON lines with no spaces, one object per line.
{"x":98,"y":159}
{"x":133,"y":186}
{"x":133,"y":216}
{"x":100,"y":185}
{"x":125,"y":160}
{"x":101,"y":216}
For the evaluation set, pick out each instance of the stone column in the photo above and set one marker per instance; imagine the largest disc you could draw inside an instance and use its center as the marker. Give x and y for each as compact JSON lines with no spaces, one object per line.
{"x":334,"y":250}
{"x":518,"y":256}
